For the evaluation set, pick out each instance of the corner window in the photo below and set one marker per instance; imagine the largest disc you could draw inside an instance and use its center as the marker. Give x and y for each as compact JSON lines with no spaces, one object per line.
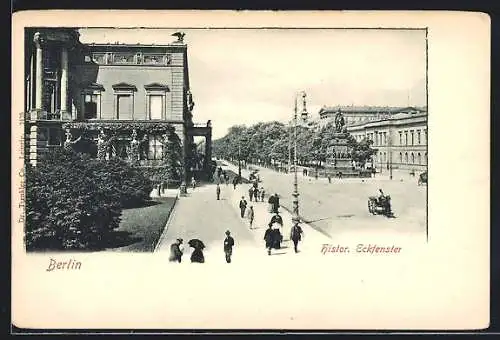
{"x":91,"y":106}
{"x":91,"y":101}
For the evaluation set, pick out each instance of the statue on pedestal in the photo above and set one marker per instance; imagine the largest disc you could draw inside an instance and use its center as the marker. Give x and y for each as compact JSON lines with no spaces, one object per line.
{"x":339,"y":122}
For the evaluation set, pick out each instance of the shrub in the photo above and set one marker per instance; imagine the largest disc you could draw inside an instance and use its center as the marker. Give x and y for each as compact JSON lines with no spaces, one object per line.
{"x":66,"y":207}
{"x":129,"y":182}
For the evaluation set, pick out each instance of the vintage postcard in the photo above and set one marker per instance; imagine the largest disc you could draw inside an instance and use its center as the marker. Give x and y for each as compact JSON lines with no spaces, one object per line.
{"x":250,"y":170}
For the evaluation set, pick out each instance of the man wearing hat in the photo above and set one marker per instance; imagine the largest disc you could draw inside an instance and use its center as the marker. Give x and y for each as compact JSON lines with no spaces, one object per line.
{"x":176,"y":251}
{"x":228,"y":246}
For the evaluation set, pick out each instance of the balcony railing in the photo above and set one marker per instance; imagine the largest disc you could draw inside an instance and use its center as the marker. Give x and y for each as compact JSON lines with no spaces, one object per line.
{"x":44,"y":115}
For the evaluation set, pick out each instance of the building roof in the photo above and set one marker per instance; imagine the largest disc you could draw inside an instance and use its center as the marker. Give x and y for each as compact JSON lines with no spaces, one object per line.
{"x":367,"y":109}
{"x":128,"y":45}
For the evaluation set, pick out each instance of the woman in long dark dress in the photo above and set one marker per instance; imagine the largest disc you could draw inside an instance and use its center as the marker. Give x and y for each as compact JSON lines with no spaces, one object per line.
{"x":197,"y":256}
{"x":276,"y":236}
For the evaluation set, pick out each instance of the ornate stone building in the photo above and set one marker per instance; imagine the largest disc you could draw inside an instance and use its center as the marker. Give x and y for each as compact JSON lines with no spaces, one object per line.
{"x":362,"y":114}
{"x":401,"y":140}
{"x":127,"y":100}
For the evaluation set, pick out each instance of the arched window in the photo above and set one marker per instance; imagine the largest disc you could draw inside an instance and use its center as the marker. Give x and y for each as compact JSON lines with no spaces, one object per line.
{"x":406,"y":157}
{"x":419,"y":158}
{"x":426,"y":158}
{"x":400,"y":157}
{"x":412,"y":158}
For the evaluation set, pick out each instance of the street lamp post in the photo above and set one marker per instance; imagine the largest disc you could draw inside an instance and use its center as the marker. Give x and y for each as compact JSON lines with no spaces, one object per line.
{"x":295,"y":194}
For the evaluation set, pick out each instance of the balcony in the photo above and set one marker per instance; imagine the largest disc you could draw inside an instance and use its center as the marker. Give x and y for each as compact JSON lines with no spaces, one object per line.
{"x":44,"y":115}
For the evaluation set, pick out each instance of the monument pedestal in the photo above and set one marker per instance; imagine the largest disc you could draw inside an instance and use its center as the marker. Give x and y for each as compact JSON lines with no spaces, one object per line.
{"x":339,"y":161}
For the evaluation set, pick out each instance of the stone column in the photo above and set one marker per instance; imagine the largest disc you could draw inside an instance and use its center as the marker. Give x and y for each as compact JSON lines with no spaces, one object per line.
{"x":64,"y":82}
{"x":39,"y":72}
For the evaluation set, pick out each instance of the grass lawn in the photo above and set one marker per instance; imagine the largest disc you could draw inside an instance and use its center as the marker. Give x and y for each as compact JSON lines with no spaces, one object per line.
{"x":140,"y":228}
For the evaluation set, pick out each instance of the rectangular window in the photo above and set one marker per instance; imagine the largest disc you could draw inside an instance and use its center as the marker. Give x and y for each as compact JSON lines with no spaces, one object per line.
{"x":400,"y":138}
{"x":91,"y":106}
{"x":155,"y":106}
{"x":124,"y":106}
{"x":155,"y":150}
{"x":418,"y":137}
{"x":412,"y":137}
{"x":406,"y":137}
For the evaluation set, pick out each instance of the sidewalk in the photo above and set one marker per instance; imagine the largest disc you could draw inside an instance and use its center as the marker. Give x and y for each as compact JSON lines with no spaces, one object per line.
{"x":312,"y":240}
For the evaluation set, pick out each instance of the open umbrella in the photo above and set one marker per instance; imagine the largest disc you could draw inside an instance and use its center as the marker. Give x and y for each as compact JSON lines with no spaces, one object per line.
{"x":196,"y":244}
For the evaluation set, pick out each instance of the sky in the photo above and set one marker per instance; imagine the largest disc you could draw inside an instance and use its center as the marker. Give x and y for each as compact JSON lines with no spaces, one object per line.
{"x":250,"y":75}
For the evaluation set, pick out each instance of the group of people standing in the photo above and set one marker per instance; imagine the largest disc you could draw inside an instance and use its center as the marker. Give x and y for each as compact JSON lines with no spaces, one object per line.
{"x":256,"y":194}
{"x":177,"y":249}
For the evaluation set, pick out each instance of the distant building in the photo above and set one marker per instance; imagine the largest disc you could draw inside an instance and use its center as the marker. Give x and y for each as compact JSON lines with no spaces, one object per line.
{"x":401,"y":139}
{"x":128,"y":91}
{"x":360,"y":114}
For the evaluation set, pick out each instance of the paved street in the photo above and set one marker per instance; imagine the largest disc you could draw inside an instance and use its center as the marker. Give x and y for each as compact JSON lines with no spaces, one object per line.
{"x":340,"y":207}
{"x":335,"y":212}
{"x":200,"y":215}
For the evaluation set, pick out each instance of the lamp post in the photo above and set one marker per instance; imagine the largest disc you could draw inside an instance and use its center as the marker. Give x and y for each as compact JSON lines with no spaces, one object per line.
{"x":295,"y":194}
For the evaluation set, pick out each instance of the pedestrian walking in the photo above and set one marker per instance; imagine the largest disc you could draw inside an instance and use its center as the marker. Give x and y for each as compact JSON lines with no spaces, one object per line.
{"x":276,"y":203}
{"x":262,"y":194}
{"x":217,"y":190}
{"x":277,"y":236}
{"x":270,"y":202}
{"x":193,"y":183}
{"x":235,"y":182}
{"x":250,"y":193}
{"x":228,"y":246}
{"x":268,"y":237}
{"x":250,"y":215}
{"x":276,"y":219}
{"x":197,"y":254}
{"x":256,"y":194}
{"x":176,"y":251}
{"x":243,"y":206}
{"x":296,"y":235}
{"x":329,"y":178}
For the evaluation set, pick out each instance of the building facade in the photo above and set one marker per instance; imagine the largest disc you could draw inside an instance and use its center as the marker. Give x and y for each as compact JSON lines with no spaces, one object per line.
{"x":401,"y":140}
{"x":361,"y":114}
{"x":126,"y":99}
